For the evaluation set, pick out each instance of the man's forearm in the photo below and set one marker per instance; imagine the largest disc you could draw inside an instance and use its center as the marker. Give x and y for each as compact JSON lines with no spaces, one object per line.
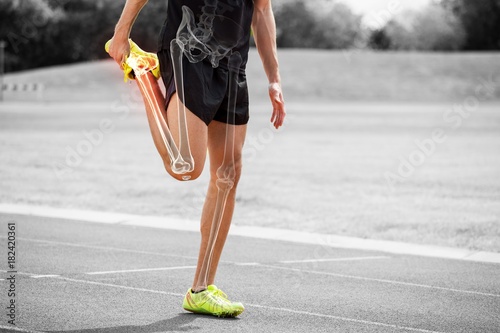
{"x":128,"y":17}
{"x":264,"y":30}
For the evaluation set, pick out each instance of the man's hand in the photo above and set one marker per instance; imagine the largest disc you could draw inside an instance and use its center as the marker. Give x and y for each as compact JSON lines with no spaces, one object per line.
{"x":120,"y":47}
{"x":276,"y":96}
{"x":119,"y":50}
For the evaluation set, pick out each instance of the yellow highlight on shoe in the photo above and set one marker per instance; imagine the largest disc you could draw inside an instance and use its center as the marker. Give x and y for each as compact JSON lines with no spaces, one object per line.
{"x":211,"y":301}
{"x":138,"y":62}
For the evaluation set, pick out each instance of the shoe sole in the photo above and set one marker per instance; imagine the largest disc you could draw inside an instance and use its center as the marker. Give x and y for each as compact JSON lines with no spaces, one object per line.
{"x":220,"y":315}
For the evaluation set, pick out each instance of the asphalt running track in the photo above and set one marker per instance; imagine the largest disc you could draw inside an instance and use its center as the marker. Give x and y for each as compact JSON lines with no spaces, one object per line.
{"x":100,"y":278}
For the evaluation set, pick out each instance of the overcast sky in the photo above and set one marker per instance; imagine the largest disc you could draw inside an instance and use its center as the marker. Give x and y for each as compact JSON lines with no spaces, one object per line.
{"x":372,"y":9}
{"x":367,"y":6}
{"x":375,"y":12}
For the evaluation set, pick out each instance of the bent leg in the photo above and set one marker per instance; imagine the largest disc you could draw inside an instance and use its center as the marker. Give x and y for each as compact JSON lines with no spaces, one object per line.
{"x":196,"y":134}
{"x":167,"y":137}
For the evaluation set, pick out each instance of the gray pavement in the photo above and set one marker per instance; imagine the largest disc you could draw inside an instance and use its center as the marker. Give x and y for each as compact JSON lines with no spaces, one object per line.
{"x":98,"y":278}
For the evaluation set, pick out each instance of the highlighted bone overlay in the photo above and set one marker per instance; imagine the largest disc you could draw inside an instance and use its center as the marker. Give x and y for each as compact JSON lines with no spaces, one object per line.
{"x":181,"y":159}
{"x":213,"y":38}
{"x":226,"y":173}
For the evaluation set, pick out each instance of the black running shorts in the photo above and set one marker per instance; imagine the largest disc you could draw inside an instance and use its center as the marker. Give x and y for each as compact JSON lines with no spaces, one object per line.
{"x":206,"y":90}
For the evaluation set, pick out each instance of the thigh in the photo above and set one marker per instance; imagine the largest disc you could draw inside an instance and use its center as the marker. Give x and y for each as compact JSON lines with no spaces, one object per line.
{"x":197,"y":133}
{"x":204,"y":87}
{"x":217,"y":141}
{"x":239,"y":113}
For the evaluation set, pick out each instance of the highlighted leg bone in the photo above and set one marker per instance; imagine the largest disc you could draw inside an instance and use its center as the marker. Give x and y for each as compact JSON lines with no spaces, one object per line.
{"x":226,"y":173}
{"x":184,"y":161}
{"x":181,"y":159}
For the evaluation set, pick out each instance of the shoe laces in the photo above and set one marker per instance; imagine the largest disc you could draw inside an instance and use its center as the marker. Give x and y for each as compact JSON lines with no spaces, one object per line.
{"x":222,"y":296}
{"x":218,"y":304}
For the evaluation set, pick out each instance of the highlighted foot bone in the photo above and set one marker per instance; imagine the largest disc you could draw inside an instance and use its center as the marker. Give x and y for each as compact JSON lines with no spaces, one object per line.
{"x":138,"y":62}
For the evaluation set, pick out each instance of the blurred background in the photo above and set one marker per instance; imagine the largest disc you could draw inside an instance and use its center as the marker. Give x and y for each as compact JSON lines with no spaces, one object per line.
{"x":52,"y":32}
{"x":393,"y":127}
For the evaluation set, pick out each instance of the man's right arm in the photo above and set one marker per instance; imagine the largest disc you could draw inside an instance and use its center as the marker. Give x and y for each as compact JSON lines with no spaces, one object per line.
{"x":120,"y":48}
{"x":264,"y":29}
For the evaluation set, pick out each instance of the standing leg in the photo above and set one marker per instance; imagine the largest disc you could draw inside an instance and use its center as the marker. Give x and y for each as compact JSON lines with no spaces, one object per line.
{"x":225,"y":173}
{"x":225,"y":143}
{"x":216,"y":139}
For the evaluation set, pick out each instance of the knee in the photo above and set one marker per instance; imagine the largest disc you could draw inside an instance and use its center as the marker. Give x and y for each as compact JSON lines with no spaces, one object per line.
{"x":237,"y":171}
{"x":193,"y":175}
{"x":230,"y":172}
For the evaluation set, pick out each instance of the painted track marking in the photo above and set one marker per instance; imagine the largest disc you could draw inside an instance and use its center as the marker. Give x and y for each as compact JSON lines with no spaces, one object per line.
{"x":356,"y":277}
{"x":141,"y":270}
{"x":18,"y":329}
{"x":98,"y":247}
{"x":332,"y":259}
{"x":276,"y":267}
{"x":339,"y":318}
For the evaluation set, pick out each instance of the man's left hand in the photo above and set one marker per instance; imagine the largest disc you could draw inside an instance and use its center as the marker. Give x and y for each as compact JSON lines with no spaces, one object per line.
{"x":276,"y":96}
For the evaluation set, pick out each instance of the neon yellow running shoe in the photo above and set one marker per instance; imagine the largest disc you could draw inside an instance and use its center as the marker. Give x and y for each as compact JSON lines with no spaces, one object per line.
{"x":138,"y":60}
{"x":238,"y":308}
{"x":211,"y":301}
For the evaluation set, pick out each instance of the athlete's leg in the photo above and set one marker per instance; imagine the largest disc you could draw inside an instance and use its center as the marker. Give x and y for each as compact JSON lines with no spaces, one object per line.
{"x":174,"y":151}
{"x":216,"y":151}
{"x":197,"y":129}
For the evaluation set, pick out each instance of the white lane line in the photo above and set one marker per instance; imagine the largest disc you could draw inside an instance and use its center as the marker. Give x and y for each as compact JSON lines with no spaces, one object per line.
{"x":247,"y":263}
{"x":271,"y":266}
{"x":380,"y":280}
{"x":359,"y":321}
{"x":141,"y":270}
{"x":106,"y":248}
{"x":332,"y":259}
{"x":71,"y":214}
{"x":120,"y":286}
{"x":18,"y":329}
{"x":334,"y":241}
{"x":43,"y":276}
{"x":36,"y":276}
{"x":20,"y":273}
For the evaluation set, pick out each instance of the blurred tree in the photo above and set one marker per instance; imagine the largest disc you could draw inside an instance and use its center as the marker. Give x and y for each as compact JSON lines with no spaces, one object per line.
{"x":86,"y":26}
{"x":24,"y":25}
{"x":432,"y":29}
{"x":400,"y":32}
{"x":51,"y":32}
{"x":338,"y":27}
{"x":437,"y":30}
{"x":379,"y":40}
{"x":295,"y":25}
{"x":305,"y":24}
{"x":481,"y":21}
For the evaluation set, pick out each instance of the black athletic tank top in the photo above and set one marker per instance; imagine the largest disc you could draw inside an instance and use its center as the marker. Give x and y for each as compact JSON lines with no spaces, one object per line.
{"x":218,"y":27}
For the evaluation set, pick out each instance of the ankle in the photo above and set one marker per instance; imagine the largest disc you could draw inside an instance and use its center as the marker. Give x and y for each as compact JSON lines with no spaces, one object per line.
{"x":193,"y":291}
